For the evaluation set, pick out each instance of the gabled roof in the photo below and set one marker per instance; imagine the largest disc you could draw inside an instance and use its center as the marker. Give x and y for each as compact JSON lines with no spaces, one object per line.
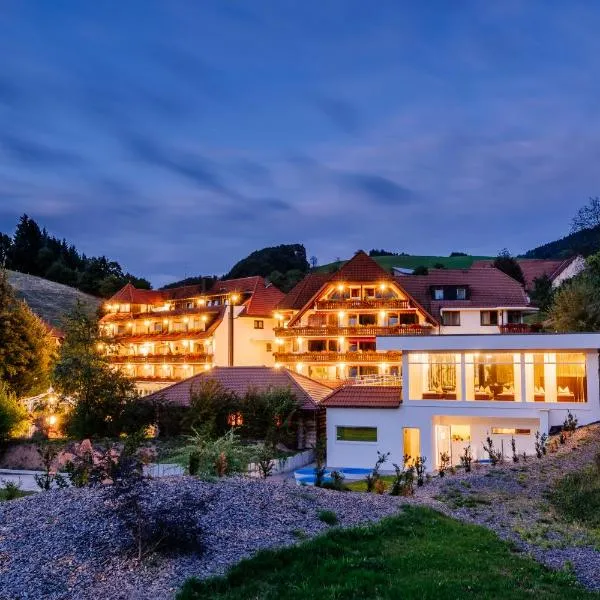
{"x":129,"y":294}
{"x":240,"y":285}
{"x":361,"y":267}
{"x":303,"y":291}
{"x":364,"y":396}
{"x":488,"y":288}
{"x":264,"y":300}
{"x":535,"y":267}
{"x":240,"y":380}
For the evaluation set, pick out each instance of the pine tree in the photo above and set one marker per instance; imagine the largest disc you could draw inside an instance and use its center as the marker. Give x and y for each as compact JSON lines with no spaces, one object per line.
{"x":26,"y":347}
{"x":509,"y":265}
{"x":27,"y":243}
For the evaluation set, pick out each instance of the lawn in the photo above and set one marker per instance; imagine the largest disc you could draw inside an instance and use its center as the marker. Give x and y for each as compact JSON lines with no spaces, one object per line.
{"x":419,"y":554}
{"x":411,"y":262}
{"x":361,"y":484}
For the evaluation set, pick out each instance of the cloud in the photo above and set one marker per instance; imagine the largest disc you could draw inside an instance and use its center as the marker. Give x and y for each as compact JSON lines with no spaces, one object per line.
{"x":30,"y":153}
{"x":377,"y":188}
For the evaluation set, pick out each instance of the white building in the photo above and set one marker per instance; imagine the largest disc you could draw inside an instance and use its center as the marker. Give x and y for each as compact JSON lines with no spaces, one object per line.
{"x":460,"y":389}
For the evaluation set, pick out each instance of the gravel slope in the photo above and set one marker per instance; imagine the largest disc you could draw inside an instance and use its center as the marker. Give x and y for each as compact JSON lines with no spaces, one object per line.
{"x":68,"y":544}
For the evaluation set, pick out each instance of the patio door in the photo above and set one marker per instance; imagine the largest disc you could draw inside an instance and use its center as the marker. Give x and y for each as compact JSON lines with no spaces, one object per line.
{"x":442,"y":442}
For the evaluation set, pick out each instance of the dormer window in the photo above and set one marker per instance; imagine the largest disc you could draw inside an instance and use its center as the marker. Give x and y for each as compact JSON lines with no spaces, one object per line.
{"x":461,"y":293}
{"x":438,"y":294}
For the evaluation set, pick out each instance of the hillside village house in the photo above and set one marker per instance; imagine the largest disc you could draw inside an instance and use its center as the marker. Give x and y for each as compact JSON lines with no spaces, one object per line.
{"x":328,"y":325}
{"x":160,"y":337}
{"x":458,"y":390}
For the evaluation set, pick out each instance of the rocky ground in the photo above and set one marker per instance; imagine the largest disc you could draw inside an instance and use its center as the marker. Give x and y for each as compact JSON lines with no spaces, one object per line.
{"x":69,"y":544}
{"x":511,"y":500}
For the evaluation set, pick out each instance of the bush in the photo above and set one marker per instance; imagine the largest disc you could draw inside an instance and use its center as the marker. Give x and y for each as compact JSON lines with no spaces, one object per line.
{"x":226,"y":455}
{"x":444,"y":464}
{"x":374,"y":475}
{"x":403,"y":484}
{"x":495,"y":456}
{"x":328,"y":517}
{"x":210,"y":407}
{"x":577,"y":496}
{"x":11,"y":490}
{"x":336,"y":483}
{"x":466,"y":459}
{"x":265,"y":461}
{"x":420,"y":469}
{"x":13,"y":414}
{"x":50,"y":477}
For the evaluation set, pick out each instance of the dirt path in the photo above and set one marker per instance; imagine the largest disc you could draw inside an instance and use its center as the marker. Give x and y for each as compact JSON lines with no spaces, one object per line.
{"x":511,"y":500}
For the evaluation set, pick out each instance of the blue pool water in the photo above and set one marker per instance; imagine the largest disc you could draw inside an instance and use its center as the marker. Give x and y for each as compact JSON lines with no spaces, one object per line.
{"x":306,"y":476}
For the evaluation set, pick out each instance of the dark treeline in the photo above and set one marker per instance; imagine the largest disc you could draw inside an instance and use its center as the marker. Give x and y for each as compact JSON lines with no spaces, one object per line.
{"x":34,"y":251}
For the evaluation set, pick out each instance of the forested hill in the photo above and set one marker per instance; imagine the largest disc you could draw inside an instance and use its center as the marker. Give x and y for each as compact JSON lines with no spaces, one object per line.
{"x":584,"y":242}
{"x":34,"y":251}
{"x":49,"y":300}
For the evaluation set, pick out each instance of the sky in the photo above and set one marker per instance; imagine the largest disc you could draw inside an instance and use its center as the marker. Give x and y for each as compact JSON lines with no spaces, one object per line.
{"x":176,"y":137}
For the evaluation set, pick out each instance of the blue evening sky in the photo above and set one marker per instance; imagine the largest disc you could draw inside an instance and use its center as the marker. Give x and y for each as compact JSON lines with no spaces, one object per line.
{"x":176,"y":137}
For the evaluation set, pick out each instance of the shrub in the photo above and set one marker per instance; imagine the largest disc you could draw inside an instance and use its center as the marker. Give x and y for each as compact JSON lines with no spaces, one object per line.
{"x":13,"y":414}
{"x":49,"y":477}
{"x":380,"y":486}
{"x":495,"y":456}
{"x":570,"y":423}
{"x":444,"y":463}
{"x":226,"y":455}
{"x":403,"y":484}
{"x":11,"y":490}
{"x":513,"y":445}
{"x":374,"y":475}
{"x":577,"y":496}
{"x":265,"y":461}
{"x":194,"y":463}
{"x":336,"y":483}
{"x":420,"y":469}
{"x":541,"y":440}
{"x":466,"y":459}
{"x":328,"y":517}
{"x":320,"y":469}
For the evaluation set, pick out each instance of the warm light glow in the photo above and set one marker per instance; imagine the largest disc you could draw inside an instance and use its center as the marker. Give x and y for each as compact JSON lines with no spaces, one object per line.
{"x":52,"y":420}
{"x":340,"y":286}
{"x":185,"y":319}
{"x":207,"y":367}
{"x":201,"y":302}
{"x":130,"y":324}
{"x":342,"y":365}
{"x":382,"y":286}
{"x":278,"y":316}
{"x":100,"y":346}
{"x":147,"y":323}
{"x":299,"y":367}
{"x":185,"y":343}
{"x":382,"y":314}
{"x":278,"y":365}
{"x":130,"y":366}
{"x":165,"y":321}
{"x":383,"y":366}
{"x":234,"y":298}
{"x":165,"y":367}
{"x":341,"y":314}
{"x":279,"y":341}
{"x":186,"y":367}
{"x":299,"y":339}
{"x":341,"y":339}
{"x":204,"y":318}
{"x":147,"y":367}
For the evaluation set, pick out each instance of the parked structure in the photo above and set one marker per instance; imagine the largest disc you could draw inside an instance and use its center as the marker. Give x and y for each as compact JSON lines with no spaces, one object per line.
{"x":240,"y":380}
{"x":459,"y":390}
{"x":160,"y":337}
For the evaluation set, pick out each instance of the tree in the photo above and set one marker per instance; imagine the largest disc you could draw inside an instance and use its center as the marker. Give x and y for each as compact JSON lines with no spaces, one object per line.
{"x":26,"y":347}
{"x":13,"y":414}
{"x":26,"y":245}
{"x":576,"y":305}
{"x":542,"y":293}
{"x":106,"y":402}
{"x":283,"y":258}
{"x":509,"y":265}
{"x":420,"y":270}
{"x":5,"y":249}
{"x":588,"y":216}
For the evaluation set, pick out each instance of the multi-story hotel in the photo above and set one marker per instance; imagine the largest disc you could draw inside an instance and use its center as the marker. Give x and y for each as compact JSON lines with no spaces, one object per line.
{"x":160,"y":337}
{"x":328,"y":324}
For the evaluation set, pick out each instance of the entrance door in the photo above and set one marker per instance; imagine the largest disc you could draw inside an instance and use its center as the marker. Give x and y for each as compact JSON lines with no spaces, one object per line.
{"x":442,"y":442}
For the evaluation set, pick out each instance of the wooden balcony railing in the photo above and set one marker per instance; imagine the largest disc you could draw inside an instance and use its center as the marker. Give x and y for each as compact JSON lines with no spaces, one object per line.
{"x":336,"y":357}
{"x":127,"y":334}
{"x":518,"y":328}
{"x":160,"y":314}
{"x":355,"y":304}
{"x":359,"y":330}
{"x":192,"y":357}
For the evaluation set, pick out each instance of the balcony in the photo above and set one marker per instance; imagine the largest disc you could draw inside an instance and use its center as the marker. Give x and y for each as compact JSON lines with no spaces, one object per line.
{"x":160,"y":314}
{"x":354,"y":331}
{"x":519,"y":328}
{"x":357,"y":304}
{"x":337,"y":357}
{"x":162,"y":358}
{"x":190,"y":332}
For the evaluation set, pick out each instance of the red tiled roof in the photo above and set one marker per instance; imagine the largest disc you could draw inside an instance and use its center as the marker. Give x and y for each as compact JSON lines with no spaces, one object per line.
{"x":242,"y":379}
{"x":488,"y":288}
{"x":303,"y":291}
{"x":263,"y":301}
{"x":128,"y":294}
{"x":240,"y":285}
{"x":364,"y":396}
{"x":535,"y":267}
{"x":361,"y":267}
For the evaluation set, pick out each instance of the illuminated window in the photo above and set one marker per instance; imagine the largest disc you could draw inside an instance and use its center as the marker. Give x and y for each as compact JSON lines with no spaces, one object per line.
{"x":489,"y":317}
{"x":571,"y":383}
{"x":496,"y":376}
{"x":412,"y":443}
{"x":451,"y":318}
{"x":434,"y":376}
{"x":235,"y":419}
{"x":510,"y":431}
{"x":438,"y":294}
{"x":269,"y":347}
{"x":356,"y":434}
{"x":259,"y":324}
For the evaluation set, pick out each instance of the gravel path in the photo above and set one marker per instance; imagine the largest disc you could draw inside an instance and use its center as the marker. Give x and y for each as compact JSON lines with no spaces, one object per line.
{"x":68,"y":543}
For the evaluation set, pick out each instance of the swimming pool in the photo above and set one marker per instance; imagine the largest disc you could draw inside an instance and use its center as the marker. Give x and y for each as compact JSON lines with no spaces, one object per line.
{"x":306,"y":476}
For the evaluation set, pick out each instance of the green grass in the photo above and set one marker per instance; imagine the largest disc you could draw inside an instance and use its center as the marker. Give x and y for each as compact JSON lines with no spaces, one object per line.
{"x":419,"y":554}
{"x":361,"y":484}
{"x":328,"y":517}
{"x":576,"y":497}
{"x":411,"y":262}
{"x":20,"y":494}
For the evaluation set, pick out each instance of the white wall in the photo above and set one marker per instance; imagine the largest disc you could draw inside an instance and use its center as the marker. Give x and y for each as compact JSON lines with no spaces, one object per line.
{"x":573,"y":269}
